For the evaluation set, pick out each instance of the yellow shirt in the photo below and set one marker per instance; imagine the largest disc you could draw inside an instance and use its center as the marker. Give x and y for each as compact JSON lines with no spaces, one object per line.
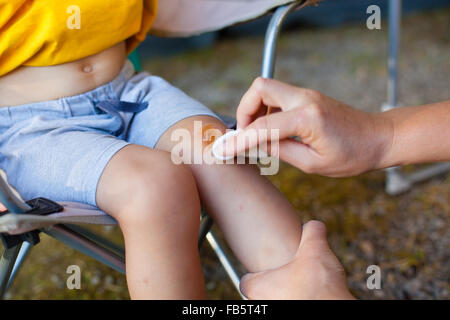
{"x":50,"y":32}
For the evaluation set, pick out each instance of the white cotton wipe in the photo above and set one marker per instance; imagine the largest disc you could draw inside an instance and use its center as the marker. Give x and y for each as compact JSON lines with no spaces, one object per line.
{"x":222,"y":140}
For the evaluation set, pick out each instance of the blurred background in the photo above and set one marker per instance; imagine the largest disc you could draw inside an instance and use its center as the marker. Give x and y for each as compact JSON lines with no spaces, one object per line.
{"x":327,"y":48}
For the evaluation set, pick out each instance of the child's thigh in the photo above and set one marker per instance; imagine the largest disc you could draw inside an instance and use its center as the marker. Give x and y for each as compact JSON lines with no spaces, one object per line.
{"x":62,"y":165}
{"x":167,"y":106}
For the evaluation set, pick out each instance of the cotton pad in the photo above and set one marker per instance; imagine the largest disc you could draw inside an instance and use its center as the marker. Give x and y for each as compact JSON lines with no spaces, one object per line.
{"x":229,"y":135}
{"x":220,"y":141}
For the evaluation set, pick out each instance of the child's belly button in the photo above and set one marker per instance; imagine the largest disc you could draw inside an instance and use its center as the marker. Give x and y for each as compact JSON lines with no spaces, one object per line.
{"x":87,"y":68}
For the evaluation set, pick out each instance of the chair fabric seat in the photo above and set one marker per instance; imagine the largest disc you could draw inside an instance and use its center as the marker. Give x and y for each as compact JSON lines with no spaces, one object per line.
{"x":73,"y":213}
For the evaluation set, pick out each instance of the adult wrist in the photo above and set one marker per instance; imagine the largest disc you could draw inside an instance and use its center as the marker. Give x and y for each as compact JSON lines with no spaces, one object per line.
{"x":386,"y":132}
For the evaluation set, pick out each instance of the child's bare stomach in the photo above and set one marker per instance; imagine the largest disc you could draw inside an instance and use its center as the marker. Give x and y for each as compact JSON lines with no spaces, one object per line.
{"x":34,"y":84}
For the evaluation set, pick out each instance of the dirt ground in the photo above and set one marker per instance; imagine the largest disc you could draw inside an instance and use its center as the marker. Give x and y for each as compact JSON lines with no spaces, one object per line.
{"x":407,"y":235}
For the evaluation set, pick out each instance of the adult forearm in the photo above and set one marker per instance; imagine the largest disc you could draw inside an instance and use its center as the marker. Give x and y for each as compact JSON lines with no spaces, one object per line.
{"x":420,"y":134}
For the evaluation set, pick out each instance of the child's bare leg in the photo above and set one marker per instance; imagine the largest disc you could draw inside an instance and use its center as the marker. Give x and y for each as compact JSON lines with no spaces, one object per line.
{"x":158,"y":209}
{"x":259,"y":224}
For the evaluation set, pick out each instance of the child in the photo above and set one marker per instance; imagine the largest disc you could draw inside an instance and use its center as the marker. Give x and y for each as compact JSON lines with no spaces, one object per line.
{"x":78,"y":124}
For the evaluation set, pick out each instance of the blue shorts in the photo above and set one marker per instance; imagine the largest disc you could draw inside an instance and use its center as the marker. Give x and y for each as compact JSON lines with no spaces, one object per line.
{"x":58,"y":149}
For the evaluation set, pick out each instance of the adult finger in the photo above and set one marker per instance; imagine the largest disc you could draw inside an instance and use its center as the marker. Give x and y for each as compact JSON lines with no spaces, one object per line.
{"x":273,"y":127}
{"x":268,"y":92}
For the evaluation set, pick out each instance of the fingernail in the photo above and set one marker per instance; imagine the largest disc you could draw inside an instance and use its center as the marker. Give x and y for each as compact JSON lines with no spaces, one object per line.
{"x":242,"y":284}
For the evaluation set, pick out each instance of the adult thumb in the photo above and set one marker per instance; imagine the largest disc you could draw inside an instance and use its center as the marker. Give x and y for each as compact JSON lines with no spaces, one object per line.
{"x":314,"y":233}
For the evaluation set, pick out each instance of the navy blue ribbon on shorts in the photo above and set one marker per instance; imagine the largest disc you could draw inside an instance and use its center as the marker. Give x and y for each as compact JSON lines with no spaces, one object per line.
{"x":113,"y":107}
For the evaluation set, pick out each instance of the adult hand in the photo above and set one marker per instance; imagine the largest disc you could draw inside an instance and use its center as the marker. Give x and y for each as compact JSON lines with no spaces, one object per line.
{"x":336,"y":140}
{"x":314,"y":273}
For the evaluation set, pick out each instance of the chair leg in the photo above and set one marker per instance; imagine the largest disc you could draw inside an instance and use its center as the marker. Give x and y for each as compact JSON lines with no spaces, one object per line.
{"x":224,"y":261}
{"x":205,"y":226}
{"x":23,"y":254}
{"x":7,"y":261}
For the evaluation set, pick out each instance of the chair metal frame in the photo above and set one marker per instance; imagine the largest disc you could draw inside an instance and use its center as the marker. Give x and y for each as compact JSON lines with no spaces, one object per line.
{"x":100,"y":248}
{"x":397,"y":181}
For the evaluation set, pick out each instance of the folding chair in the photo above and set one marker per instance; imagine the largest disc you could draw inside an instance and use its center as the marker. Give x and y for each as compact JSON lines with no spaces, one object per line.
{"x":21,"y":224}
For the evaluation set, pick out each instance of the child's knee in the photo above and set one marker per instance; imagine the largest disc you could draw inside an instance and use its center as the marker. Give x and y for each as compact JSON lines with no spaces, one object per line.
{"x":191,"y":135}
{"x":158,"y":191}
